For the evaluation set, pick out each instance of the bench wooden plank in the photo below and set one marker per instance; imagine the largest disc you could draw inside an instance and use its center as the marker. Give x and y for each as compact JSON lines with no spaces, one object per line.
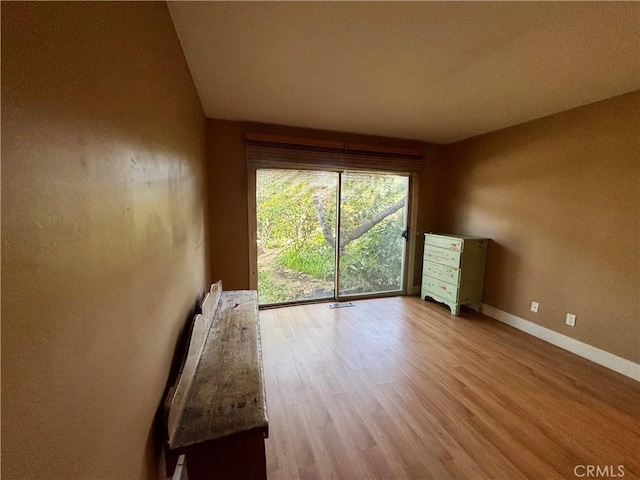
{"x":227,"y":393}
{"x":210,"y":302}
{"x":178,"y":395}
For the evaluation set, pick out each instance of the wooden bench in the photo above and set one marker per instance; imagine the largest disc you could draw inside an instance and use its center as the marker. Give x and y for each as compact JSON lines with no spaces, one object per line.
{"x":216,"y":413}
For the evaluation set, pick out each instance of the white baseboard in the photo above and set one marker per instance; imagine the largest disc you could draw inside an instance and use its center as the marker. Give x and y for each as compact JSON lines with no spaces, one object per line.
{"x":415,"y":290}
{"x":601,"y":357}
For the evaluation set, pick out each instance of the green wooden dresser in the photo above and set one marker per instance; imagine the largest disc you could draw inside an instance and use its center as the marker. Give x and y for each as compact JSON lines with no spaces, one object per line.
{"x":453,"y":270}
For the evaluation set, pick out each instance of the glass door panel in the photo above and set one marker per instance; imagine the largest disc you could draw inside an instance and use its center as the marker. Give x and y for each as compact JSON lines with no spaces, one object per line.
{"x":373,"y":217}
{"x":296,"y":220}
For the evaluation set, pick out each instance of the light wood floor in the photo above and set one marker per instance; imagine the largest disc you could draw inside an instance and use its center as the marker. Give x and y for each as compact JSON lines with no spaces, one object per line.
{"x":397,"y":388}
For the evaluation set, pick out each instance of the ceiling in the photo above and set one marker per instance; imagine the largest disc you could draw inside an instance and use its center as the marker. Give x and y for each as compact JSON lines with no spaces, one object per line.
{"x":431,"y":71}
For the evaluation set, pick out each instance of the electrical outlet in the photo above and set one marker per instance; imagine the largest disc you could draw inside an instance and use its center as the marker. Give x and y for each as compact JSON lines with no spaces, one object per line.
{"x":571,"y":320}
{"x":534,"y":307}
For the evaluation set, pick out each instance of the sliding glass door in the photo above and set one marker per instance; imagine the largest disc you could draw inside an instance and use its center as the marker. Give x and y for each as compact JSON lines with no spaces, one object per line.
{"x":295,"y":261}
{"x":373,"y":222}
{"x":301,"y":216}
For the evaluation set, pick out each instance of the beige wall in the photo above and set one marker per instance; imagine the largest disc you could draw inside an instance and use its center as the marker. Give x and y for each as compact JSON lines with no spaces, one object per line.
{"x":429,"y":205}
{"x":228,"y":179}
{"x":103,"y":233}
{"x":560,"y":198}
{"x":228,"y":204}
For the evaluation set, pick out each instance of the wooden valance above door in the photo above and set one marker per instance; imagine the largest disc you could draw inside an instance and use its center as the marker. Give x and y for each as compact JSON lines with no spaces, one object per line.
{"x":279,"y":151}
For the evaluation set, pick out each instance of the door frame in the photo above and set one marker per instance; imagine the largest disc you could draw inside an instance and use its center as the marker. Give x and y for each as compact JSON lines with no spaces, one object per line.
{"x":409,"y":258}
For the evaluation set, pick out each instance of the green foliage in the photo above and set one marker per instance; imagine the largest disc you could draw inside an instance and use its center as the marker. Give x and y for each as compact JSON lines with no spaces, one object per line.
{"x":319,"y":262}
{"x":374,"y":261}
{"x":288,"y":222}
{"x":271,"y":292}
{"x":286,"y":215}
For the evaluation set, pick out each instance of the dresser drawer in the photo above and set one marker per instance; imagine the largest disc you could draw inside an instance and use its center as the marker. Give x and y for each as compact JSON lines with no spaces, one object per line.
{"x":450,"y":243}
{"x":442,"y":272}
{"x":440,"y":288}
{"x":440,"y":255}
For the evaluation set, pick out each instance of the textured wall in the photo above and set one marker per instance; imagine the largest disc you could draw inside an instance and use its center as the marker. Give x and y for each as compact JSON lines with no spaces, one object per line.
{"x":103,"y":232}
{"x":560,"y":198}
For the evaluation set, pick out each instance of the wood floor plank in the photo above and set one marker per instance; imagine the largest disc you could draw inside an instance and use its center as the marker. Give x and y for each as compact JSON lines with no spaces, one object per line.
{"x":397,"y":388}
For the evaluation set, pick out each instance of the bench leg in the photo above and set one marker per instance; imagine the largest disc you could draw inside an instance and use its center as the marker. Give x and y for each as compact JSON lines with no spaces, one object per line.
{"x":237,"y":457}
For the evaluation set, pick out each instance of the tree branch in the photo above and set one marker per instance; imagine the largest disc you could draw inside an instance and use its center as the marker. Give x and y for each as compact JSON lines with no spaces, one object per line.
{"x":326,"y":229}
{"x":347,"y":238}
